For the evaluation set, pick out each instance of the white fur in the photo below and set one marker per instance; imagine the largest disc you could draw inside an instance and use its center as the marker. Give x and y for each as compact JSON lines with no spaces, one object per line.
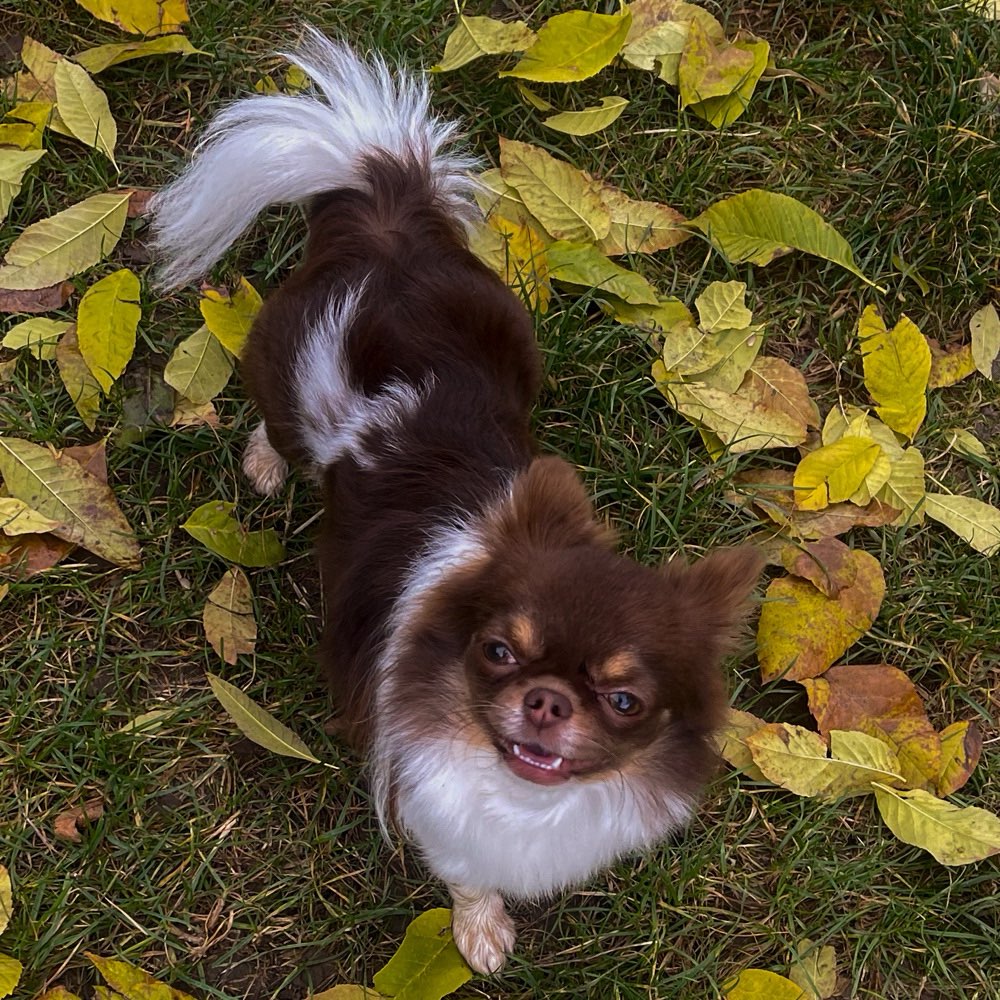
{"x":262,"y":465}
{"x":480,"y":826}
{"x":334,"y":416}
{"x":272,"y":149}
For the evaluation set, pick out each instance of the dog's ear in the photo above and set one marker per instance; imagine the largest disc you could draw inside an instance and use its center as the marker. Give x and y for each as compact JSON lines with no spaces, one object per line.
{"x":548,"y":508}
{"x":718,"y":587}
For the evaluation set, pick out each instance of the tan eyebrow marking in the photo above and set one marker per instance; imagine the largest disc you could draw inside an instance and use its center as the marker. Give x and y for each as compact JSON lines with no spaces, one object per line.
{"x":619,"y":668}
{"x":525,"y":636}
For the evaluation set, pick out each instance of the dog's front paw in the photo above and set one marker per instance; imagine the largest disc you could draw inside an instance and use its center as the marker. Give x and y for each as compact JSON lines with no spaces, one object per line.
{"x":482,"y":929}
{"x":262,"y":465}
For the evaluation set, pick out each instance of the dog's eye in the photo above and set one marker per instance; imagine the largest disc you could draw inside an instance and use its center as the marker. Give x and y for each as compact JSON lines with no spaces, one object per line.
{"x":623,"y":702}
{"x":497,"y":652}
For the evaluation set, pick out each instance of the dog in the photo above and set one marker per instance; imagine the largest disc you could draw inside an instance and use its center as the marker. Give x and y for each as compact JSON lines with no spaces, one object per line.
{"x":534,"y":704}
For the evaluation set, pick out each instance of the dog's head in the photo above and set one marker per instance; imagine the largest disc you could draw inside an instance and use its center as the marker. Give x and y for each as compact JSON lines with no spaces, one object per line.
{"x":572,"y":662}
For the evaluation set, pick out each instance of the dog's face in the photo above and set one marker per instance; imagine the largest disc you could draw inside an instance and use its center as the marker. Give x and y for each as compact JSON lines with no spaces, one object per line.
{"x":586,"y":664}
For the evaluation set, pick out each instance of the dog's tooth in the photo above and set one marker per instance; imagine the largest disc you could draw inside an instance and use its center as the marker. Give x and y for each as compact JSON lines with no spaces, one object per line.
{"x":556,"y":763}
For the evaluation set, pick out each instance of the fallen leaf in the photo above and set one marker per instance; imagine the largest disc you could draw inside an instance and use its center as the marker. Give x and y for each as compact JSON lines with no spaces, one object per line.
{"x":6,"y":898}
{"x":70,"y":822}
{"x":14,"y":164}
{"x":228,"y":617}
{"x":827,"y":564}
{"x":589,"y":120}
{"x":38,"y":334}
{"x":897,"y":365}
{"x":905,"y":488}
{"x":258,"y":725}
{"x":138,"y":198}
{"x":833,"y":472}
{"x":83,"y":108}
{"x":724,"y":109}
{"x":106,"y":324}
{"x":573,"y":46}
{"x":985,"y":329}
{"x":802,"y":632}
{"x":133,"y":983}
{"x":473,"y":37}
{"x":961,"y":747}
{"x":140,"y":17}
{"x":147,"y":403}
{"x":348,"y":992}
{"x":59,"y":487}
{"x":10,"y":974}
{"x":669,"y":312}
{"x":879,"y":700}
{"x":710,"y":67}
{"x":495,"y":196}
{"x":814,"y":969}
{"x":516,"y":252}
{"x":99,"y":58}
{"x":66,"y":243}
{"x":200,"y":367}
{"x":229,"y":316}
{"x":759,"y":984}
{"x":758,"y":226}
{"x":722,"y":306}
{"x":731,"y":742}
{"x":188,"y":414}
{"x":971,"y":519}
{"x":7,"y":370}
{"x":35,"y":300}
{"x":952,"y":834}
{"x":427,"y":964}
{"x":565,"y":201}
{"x":639,"y":226}
{"x":28,"y":555}
{"x":582,"y":264}
{"x":17,"y":518}
{"x":966,"y":443}
{"x":718,"y":360}
{"x":214,"y":525}
{"x":949,"y":367}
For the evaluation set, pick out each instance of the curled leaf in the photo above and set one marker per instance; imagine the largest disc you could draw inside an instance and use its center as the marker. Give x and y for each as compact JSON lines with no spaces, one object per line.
{"x":589,"y":120}
{"x":214,"y":525}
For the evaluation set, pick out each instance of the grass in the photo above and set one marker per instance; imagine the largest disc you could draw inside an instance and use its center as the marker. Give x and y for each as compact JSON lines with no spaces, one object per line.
{"x":230,"y":872}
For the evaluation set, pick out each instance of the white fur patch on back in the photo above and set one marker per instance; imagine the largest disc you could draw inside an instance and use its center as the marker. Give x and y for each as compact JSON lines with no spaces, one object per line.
{"x":479,"y":825}
{"x":335,"y":417}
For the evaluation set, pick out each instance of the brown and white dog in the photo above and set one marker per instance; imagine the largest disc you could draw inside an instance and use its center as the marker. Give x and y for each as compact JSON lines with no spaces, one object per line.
{"x":534,"y":704}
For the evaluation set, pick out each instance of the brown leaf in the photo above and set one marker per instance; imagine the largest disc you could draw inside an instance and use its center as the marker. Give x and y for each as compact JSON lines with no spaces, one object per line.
{"x":951,"y":366}
{"x":35,"y":300}
{"x":138,"y":201}
{"x":92,"y":458}
{"x":70,"y":822}
{"x":27,"y":555}
{"x":961,"y":746}
{"x":879,"y":700}
{"x":826,"y":564}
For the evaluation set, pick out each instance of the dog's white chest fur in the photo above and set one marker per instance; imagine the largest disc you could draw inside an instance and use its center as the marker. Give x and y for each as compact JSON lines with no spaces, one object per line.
{"x":480,"y":826}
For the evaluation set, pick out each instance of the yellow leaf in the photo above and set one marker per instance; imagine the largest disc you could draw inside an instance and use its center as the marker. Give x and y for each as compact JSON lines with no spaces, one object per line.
{"x":495,"y":195}
{"x":83,"y":108}
{"x":573,"y":46}
{"x":99,"y":58}
{"x":709,"y":68}
{"x":950,"y":367}
{"x":722,"y":306}
{"x":266,"y":85}
{"x":228,"y":617}
{"x":258,"y":725}
{"x":83,"y":388}
{"x":731,"y":742}
{"x":106,"y":322}
{"x":802,"y":631}
{"x":188,"y":414}
{"x":296,"y":80}
{"x":230,"y":316}
{"x":966,"y":443}
{"x":639,"y":226}
{"x":348,"y":992}
{"x":214,"y":525}
{"x":199,"y":368}
{"x":589,"y":120}
{"x":796,"y":759}
{"x":985,"y":329}
{"x":66,"y":243}
{"x":660,"y":46}
{"x":667,"y":314}
{"x":897,"y":365}
{"x":38,"y":334}
{"x":521,"y":261}
{"x":584,"y":265}
{"x":975,"y":521}
{"x":38,"y":82}
{"x":759,"y":984}
{"x":814,"y":970}
{"x":724,"y":109}
{"x":140,"y":17}
{"x":535,"y":100}
{"x":133,"y":983}
{"x":10,"y":974}
{"x":427,"y":964}
{"x":905,"y":487}
{"x":6,"y":898}
{"x":14,"y":164}
{"x":59,"y":488}
{"x":17,"y":518}
{"x":566,"y":201}
{"x":719,"y":360}
{"x":961,"y":746}
{"x":954,"y":835}
{"x":35,"y":113}
{"x":833,"y":472}
{"x":473,"y":37}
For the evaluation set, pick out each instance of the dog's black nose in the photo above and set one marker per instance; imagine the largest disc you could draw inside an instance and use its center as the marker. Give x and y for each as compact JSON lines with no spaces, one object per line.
{"x":544,"y":707}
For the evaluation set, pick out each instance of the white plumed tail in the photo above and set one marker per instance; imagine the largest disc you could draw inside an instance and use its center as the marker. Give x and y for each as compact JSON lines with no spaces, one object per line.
{"x":273,"y":149}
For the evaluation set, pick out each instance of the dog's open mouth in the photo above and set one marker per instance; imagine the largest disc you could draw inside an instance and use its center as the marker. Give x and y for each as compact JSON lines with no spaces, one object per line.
{"x":534,"y":763}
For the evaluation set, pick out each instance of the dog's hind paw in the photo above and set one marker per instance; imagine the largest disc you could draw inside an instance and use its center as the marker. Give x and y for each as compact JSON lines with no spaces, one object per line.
{"x":483,"y":931}
{"x":262,"y":465}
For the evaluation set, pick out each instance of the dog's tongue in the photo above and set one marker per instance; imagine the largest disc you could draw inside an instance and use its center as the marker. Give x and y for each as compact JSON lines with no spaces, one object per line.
{"x":533,"y":763}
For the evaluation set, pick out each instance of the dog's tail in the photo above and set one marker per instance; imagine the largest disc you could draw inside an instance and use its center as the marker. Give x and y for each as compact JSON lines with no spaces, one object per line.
{"x":276,"y":149}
